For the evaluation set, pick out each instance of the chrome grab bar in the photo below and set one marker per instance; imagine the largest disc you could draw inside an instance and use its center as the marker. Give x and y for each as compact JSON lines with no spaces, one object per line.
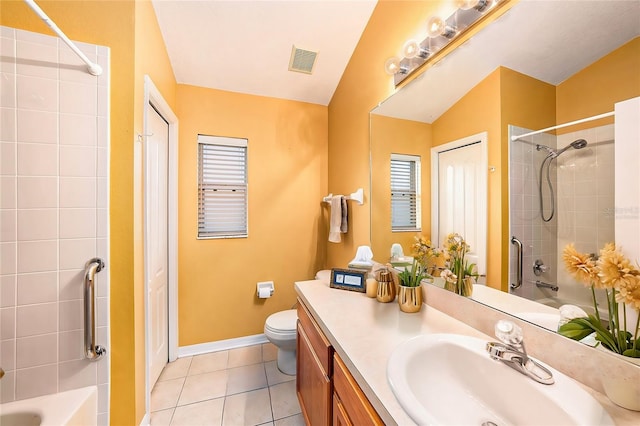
{"x":92,"y":351}
{"x":518,"y":283}
{"x":552,"y":287}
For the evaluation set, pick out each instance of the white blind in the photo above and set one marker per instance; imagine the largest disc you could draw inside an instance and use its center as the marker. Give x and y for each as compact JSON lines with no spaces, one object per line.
{"x":405,"y":193}
{"x":222,"y":187}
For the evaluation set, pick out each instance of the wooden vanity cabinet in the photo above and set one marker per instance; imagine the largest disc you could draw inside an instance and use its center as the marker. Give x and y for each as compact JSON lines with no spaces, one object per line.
{"x":350,"y":405}
{"x":327,"y":392}
{"x":313,"y":370}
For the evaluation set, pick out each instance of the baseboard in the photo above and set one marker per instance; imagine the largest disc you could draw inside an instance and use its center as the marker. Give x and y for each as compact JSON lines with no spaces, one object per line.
{"x":221,"y":345}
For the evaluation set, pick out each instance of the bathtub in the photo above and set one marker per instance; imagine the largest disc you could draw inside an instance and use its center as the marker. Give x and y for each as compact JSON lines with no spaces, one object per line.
{"x":74,"y":407}
{"x":556,"y":302}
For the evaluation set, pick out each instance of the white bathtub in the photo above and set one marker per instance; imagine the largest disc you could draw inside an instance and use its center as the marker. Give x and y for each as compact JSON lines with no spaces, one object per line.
{"x":74,"y":407}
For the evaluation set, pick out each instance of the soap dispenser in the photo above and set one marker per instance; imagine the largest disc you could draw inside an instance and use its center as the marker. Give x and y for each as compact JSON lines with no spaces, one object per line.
{"x":386,"y":287}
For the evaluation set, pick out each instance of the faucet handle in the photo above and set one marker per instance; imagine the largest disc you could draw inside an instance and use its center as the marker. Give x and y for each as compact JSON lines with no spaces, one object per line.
{"x":509,"y":333}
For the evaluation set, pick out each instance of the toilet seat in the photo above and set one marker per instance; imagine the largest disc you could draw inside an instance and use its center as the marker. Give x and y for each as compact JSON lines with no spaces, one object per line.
{"x":282,"y":323}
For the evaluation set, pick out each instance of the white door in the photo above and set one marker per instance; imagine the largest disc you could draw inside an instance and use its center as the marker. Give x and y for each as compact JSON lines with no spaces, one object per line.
{"x":461,"y":192}
{"x":157,"y":237}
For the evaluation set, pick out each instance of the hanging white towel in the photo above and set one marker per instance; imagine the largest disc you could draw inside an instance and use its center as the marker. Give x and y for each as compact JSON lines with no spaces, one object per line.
{"x":335,"y":220}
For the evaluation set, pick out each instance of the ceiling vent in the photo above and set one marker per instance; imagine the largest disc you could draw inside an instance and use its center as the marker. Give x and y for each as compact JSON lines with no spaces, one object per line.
{"x":302,"y":60}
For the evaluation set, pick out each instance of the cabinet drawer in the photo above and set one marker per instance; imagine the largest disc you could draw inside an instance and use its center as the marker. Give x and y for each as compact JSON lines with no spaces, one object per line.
{"x":358,"y":409}
{"x":319,"y":343}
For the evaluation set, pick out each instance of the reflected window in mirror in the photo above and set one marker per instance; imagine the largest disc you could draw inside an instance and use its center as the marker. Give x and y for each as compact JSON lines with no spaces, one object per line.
{"x":405,"y":193}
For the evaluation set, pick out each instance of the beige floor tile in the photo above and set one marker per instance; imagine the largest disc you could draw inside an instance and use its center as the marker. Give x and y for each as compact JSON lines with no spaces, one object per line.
{"x":297,"y":420}
{"x":207,"y":363}
{"x":165,"y":394}
{"x":247,"y":378}
{"x":275,"y":376}
{"x":161,"y":418}
{"x":201,"y":413}
{"x":175,"y":369}
{"x":269,"y":352}
{"x":284,"y":401}
{"x":249,"y":408}
{"x":245,"y":356}
{"x":203,"y":386}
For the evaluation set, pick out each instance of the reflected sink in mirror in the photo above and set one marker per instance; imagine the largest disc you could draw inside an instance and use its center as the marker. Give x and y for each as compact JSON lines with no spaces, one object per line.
{"x":20,"y":419}
{"x":450,"y":379}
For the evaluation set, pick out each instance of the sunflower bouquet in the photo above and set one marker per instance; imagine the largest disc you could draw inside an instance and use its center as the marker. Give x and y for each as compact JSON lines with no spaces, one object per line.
{"x":614,"y":274}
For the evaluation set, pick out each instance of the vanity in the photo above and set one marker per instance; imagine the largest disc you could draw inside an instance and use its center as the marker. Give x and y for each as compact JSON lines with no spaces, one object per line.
{"x":345,"y":340}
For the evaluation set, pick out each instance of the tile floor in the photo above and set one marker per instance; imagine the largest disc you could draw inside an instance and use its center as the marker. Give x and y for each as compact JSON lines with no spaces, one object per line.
{"x":236,"y":387}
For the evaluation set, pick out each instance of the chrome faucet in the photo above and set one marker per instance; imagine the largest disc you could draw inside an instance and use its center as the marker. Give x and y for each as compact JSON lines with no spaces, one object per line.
{"x":510,"y":350}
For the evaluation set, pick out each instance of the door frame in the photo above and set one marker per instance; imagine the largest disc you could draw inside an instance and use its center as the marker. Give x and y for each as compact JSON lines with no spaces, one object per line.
{"x":481,"y":138}
{"x":153,"y":99}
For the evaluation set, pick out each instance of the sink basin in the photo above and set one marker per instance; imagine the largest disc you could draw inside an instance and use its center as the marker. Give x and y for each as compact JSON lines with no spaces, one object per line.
{"x":447,"y":379}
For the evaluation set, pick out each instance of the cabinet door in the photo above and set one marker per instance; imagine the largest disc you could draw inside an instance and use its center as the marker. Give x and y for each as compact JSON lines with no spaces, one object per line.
{"x":340,"y":417}
{"x":357,"y":407}
{"x":312,"y":384}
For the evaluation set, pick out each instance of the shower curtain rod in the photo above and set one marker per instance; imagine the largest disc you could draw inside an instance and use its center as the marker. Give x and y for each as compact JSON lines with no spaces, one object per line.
{"x":559,"y":126}
{"x":94,"y":69}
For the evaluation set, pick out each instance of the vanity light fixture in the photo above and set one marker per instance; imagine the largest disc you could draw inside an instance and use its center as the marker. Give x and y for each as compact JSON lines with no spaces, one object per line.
{"x":440,"y":32}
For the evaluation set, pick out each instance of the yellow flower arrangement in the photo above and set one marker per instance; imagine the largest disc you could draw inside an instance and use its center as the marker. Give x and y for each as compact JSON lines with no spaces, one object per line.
{"x":615,"y":274}
{"x":457,"y":268}
{"x":425,"y":253}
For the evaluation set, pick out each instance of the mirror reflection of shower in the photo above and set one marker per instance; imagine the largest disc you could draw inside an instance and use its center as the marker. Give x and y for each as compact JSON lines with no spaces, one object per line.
{"x":552,"y":155}
{"x":561,"y":191}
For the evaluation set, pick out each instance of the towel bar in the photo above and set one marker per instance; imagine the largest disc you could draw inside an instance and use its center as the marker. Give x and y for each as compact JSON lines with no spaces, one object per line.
{"x":357,"y":196}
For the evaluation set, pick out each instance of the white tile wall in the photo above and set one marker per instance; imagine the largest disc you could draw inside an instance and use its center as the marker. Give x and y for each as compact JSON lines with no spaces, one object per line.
{"x":53,"y":177}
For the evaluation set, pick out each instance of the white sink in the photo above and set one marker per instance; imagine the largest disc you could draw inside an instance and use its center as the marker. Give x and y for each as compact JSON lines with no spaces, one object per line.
{"x":447,"y":379}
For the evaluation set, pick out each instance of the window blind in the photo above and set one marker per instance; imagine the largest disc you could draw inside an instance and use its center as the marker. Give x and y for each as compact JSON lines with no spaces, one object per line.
{"x":222,"y":187}
{"x":405,"y":193}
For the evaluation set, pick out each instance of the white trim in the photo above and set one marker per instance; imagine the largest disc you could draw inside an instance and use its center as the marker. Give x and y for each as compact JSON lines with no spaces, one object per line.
{"x":153,"y":96}
{"x":221,"y":345}
{"x":482,"y":139}
{"x":560,"y":126}
{"x":222,"y":140}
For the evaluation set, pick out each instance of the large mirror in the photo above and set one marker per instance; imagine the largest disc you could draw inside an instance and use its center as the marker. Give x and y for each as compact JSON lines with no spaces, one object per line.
{"x":541,"y":64}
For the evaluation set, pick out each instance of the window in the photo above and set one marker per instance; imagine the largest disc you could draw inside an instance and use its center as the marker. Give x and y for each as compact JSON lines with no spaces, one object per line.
{"x":222,"y":187}
{"x":405,"y":193}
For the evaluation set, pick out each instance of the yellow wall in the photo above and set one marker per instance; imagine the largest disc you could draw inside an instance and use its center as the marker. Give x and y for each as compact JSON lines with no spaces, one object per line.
{"x":122,"y":26}
{"x":287,"y":220}
{"x":392,"y":135}
{"x":595,"y":89}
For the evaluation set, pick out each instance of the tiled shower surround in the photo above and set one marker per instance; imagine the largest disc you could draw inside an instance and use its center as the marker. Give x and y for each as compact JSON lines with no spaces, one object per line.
{"x":53,"y":214}
{"x":583,"y":182}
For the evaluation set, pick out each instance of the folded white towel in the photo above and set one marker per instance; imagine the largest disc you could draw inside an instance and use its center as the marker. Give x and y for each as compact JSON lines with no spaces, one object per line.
{"x":569,"y":312}
{"x":335,"y":220}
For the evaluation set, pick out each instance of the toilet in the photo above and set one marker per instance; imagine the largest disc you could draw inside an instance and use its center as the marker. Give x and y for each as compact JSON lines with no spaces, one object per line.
{"x":280,"y":329}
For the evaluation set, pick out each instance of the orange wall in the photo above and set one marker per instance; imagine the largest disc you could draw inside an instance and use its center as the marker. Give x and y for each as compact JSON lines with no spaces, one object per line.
{"x":287,"y":159}
{"x":122,"y":26}
{"x":595,"y":89}
{"x":392,"y":135}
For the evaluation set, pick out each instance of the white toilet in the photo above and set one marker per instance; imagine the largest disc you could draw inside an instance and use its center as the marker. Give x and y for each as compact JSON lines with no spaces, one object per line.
{"x":280,"y":329}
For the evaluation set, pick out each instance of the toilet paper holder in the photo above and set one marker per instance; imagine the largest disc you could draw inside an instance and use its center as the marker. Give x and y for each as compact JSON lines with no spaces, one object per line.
{"x":265,"y":289}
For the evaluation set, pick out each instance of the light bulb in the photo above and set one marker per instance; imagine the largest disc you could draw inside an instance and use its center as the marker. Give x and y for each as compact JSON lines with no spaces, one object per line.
{"x":466,"y":4}
{"x":392,"y":66}
{"x":435,"y":26}
{"x":411,"y":49}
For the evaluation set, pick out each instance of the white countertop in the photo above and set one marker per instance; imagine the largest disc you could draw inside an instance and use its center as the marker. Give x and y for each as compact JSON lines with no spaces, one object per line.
{"x":364,"y":332}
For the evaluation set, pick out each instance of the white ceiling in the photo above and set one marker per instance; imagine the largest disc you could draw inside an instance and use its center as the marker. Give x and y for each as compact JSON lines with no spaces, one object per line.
{"x":548,"y":40}
{"x":245,"y":45}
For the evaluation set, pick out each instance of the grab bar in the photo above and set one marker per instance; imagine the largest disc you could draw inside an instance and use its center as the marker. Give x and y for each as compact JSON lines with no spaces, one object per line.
{"x":92,"y":351}
{"x":518,"y":283}
{"x":552,"y":287}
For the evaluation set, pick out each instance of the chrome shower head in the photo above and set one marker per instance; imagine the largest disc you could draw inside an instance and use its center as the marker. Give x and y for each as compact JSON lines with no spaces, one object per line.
{"x":577,"y":144}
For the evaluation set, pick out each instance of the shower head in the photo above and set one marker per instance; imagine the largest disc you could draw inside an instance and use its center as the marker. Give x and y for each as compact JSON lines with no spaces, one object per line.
{"x":553,"y":153}
{"x":577,"y":144}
